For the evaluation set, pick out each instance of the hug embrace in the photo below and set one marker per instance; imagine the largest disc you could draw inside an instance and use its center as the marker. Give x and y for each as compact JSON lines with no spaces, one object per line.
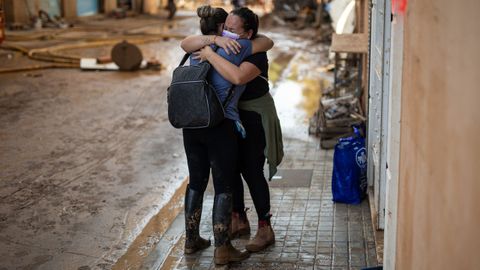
{"x":238,"y":146}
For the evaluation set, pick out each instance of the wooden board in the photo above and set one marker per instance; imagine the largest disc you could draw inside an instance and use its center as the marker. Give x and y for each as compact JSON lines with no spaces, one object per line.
{"x":349,"y":43}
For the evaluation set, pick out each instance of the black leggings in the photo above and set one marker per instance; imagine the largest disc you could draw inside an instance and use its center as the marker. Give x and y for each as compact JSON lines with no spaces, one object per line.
{"x":251,"y":161}
{"x":215,"y":148}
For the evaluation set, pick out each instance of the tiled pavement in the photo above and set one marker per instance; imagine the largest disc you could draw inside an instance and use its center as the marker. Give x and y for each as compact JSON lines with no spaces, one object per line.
{"x":311,"y":231}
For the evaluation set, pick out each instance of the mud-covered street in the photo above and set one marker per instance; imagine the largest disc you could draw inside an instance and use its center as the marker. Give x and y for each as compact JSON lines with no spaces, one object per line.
{"x":88,"y":157}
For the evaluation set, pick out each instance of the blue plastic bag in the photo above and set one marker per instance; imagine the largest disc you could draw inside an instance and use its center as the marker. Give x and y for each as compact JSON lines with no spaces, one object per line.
{"x":349,"y":178}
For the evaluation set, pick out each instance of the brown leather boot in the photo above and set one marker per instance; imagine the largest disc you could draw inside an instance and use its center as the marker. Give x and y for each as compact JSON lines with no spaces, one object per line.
{"x":222,"y":212}
{"x":193,"y":214}
{"x":240,"y":225}
{"x":264,"y":237}
{"x":227,"y":253}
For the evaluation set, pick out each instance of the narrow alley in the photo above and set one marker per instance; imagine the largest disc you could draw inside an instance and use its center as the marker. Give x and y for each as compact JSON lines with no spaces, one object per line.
{"x":89,"y":158}
{"x":312,"y":232}
{"x":376,"y":101}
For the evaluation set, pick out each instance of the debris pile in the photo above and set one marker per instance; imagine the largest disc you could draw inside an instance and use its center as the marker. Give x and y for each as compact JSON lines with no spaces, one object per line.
{"x":304,"y":14}
{"x":339,"y":107}
{"x":44,"y":20}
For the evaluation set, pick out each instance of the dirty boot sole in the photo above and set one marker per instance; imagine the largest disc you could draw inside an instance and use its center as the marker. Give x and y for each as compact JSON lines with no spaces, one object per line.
{"x":197,"y":247}
{"x":256,"y":248}
{"x":227,"y":260}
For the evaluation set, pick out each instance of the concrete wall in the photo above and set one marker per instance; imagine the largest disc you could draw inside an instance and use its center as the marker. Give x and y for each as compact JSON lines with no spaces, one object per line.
{"x":18,"y":11}
{"x":69,"y":9}
{"x":439,"y":182}
{"x":109,"y":5}
{"x":150,"y":6}
{"x":8,"y":10}
{"x":364,"y":27}
{"x":138,"y":5}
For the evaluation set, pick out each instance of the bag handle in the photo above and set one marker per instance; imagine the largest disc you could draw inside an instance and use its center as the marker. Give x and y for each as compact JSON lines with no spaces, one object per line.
{"x":356,"y":134}
{"x":356,"y":130}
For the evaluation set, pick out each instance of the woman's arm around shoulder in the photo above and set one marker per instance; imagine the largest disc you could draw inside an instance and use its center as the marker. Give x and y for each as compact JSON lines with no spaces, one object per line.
{"x":261,"y":43}
{"x":237,"y":75}
{"x":194,"y":43}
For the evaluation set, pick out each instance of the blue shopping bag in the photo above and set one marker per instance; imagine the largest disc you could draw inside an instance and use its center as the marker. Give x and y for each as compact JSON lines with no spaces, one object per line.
{"x":349,"y":178}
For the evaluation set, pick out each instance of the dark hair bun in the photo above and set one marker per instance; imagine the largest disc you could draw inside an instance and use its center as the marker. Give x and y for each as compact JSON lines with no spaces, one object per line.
{"x":205,"y":11}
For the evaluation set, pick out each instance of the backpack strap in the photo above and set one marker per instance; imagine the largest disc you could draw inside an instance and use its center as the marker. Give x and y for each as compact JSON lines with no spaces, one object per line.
{"x":184,"y":59}
{"x":230,"y":91}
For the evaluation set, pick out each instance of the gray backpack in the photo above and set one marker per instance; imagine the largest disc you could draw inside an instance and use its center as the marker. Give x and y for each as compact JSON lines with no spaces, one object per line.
{"x":192,"y":101}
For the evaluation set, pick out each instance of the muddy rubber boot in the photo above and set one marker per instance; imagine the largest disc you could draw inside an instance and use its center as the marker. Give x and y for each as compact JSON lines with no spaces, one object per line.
{"x":240,"y":224}
{"x":264,"y":237}
{"x":193,"y":214}
{"x":224,"y":251}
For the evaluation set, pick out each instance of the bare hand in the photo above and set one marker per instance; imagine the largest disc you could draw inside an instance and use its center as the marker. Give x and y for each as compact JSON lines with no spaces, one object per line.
{"x":203,"y":54}
{"x":229,"y":45}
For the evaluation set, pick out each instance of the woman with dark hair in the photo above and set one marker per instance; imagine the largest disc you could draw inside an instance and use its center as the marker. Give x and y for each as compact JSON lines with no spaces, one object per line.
{"x":212,"y":21}
{"x":259,"y":118}
{"x":215,"y":148}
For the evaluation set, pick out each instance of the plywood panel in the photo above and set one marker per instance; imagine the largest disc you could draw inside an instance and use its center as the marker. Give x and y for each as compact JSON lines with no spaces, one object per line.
{"x":439,"y":213}
{"x":350,"y":43}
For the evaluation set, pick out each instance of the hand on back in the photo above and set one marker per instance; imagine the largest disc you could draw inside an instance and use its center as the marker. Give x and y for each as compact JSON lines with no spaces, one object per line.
{"x":202,"y":55}
{"x":229,"y":45}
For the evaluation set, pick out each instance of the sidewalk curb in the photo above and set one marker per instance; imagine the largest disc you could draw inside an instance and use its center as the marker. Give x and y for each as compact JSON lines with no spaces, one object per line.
{"x":161,"y":256}
{"x":158,"y":225}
